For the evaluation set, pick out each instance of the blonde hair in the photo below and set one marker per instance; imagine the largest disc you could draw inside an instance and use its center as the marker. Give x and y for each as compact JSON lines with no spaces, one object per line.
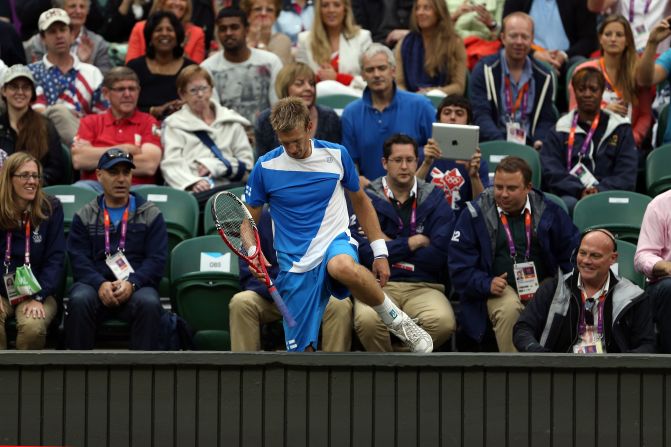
{"x":444,"y":44}
{"x":288,"y":74}
{"x":289,"y":114}
{"x":626,"y":72}
{"x":319,"y":39}
{"x":159,"y":5}
{"x":10,"y":215}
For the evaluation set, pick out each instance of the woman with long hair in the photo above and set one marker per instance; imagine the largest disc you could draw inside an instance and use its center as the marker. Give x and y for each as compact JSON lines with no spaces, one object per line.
{"x":31,"y":237}
{"x":194,"y":36}
{"x":159,"y":67}
{"x":432,"y":56}
{"x":298,"y":80}
{"x":24,"y":130}
{"x":618,"y":63}
{"x":334,"y":44}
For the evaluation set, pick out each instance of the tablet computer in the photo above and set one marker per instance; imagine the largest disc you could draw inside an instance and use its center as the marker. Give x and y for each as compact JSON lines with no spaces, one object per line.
{"x":456,"y":141}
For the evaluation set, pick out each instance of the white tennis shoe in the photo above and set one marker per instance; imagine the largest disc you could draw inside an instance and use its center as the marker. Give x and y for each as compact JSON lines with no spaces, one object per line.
{"x":416,"y":338}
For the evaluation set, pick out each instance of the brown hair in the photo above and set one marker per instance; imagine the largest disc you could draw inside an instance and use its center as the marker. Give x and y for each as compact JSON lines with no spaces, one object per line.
{"x":288,"y":74}
{"x":117,"y":74}
{"x":33,"y":134}
{"x":10,"y":215}
{"x":289,"y":114}
{"x":626,"y":71}
{"x":247,"y":5}
{"x":512,"y":164}
{"x":159,"y":5}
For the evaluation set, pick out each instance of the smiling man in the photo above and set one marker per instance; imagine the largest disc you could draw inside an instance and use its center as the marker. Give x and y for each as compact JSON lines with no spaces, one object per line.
{"x":304,"y":182}
{"x":590,"y":310}
{"x":122,"y":126}
{"x":118,"y":246}
{"x":505,"y":243}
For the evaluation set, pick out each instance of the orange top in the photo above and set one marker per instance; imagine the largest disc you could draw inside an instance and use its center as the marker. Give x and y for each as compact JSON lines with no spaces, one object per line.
{"x":194,"y":42}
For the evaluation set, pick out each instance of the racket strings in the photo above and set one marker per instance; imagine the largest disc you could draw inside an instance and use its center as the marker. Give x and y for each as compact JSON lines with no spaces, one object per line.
{"x":235,"y":222}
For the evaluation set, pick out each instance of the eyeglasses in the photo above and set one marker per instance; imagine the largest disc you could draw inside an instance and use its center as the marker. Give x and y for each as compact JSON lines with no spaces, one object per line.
{"x":124,"y":89}
{"x":590,"y":304}
{"x":26,"y":176}
{"x":193,"y":91}
{"x":19,"y":87}
{"x":400,"y":160}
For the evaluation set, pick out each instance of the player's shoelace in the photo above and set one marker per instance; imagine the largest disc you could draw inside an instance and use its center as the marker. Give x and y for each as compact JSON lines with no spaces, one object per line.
{"x":410,"y":332}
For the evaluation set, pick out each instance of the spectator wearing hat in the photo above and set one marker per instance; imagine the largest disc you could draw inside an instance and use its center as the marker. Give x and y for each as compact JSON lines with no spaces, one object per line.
{"x":22,"y":129}
{"x":118,"y":246}
{"x":67,"y":89}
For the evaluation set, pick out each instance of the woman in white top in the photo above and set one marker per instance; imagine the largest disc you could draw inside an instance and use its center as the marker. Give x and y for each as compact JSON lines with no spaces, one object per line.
{"x":332,"y":48}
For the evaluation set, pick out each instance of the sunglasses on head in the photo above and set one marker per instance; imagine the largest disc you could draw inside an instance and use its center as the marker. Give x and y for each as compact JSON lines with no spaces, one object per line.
{"x":590,"y":305}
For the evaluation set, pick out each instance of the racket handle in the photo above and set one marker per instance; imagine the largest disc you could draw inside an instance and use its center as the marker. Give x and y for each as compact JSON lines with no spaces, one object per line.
{"x":279,"y":302}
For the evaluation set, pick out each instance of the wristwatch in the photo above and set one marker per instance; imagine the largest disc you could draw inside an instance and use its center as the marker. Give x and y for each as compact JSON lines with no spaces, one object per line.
{"x":132,"y":284}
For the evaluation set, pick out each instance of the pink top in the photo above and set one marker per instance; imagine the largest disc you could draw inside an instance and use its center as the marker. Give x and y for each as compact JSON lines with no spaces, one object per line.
{"x":654,"y":240}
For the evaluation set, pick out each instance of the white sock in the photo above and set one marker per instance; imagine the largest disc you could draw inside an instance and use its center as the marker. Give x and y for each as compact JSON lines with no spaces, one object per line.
{"x":388,"y":311}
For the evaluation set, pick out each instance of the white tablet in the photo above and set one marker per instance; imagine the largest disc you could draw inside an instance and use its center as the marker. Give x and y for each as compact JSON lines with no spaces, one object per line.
{"x":456,"y":141}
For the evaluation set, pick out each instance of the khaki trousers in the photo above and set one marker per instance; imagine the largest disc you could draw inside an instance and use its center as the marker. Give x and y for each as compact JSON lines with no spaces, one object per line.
{"x":248,"y":310}
{"x":31,"y":333}
{"x":422,"y":300}
{"x":503,"y":312}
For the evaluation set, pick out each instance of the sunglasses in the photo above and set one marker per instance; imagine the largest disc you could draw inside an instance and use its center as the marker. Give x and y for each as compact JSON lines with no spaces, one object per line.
{"x":120,"y":154}
{"x":590,"y":305}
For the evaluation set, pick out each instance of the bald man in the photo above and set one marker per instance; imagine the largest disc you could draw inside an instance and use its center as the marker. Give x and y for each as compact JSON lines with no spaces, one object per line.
{"x":590,"y":310}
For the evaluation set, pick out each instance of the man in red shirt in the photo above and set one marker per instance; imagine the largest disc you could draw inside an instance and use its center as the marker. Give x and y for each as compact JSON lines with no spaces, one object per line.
{"x":122,"y":126}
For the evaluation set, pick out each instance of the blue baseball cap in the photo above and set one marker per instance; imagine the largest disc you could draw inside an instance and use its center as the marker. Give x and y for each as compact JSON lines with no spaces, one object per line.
{"x":113,"y":157}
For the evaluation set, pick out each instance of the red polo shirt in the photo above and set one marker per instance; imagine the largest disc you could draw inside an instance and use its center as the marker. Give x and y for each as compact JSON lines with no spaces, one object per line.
{"x":104,"y":130}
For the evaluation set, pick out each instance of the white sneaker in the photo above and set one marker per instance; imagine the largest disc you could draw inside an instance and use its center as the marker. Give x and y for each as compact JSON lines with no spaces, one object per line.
{"x":416,"y":338}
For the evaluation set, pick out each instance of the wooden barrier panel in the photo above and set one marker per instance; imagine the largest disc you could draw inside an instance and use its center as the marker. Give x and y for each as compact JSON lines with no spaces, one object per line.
{"x":144,"y":399}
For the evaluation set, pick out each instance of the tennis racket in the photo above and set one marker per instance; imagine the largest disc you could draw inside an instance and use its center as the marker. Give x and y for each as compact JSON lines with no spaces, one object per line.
{"x":238,"y":230}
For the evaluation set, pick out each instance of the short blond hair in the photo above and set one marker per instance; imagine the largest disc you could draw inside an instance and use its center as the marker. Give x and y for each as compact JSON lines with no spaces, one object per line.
{"x":289,"y":114}
{"x":288,"y":75}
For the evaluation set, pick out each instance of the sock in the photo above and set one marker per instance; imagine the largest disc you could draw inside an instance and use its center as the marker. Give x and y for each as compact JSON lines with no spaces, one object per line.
{"x":388,"y":311}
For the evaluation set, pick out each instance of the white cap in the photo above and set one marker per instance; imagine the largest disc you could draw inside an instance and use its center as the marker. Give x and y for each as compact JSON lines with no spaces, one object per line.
{"x":17,"y":71}
{"x":50,"y":16}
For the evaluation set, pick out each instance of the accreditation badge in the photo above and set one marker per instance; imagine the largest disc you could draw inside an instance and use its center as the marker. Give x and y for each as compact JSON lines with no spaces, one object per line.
{"x":526,"y":280}
{"x":13,"y":294}
{"x":515,"y":133}
{"x":119,"y":266}
{"x":584,"y":175}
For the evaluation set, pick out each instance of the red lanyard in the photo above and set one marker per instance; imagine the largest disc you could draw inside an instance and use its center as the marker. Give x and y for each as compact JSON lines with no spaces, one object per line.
{"x":609,"y":84}
{"x":522,"y":98}
{"x":509,"y":234}
{"x":8,"y":247}
{"x":585,"y":144}
{"x":631,"y":9}
{"x":124,"y":226}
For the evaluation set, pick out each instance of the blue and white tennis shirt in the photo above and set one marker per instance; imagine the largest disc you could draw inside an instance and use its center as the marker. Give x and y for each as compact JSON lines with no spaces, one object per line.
{"x":307,"y":201}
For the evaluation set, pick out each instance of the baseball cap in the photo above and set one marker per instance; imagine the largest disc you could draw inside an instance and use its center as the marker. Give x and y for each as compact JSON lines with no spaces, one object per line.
{"x":17,"y":71}
{"x":113,"y":157}
{"x":51,"y":16}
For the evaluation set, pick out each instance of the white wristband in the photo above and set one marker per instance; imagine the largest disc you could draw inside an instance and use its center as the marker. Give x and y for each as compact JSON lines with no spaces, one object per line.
{"x":379,"y":248}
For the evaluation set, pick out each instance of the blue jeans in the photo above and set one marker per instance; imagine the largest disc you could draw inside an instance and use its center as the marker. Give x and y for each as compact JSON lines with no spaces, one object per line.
{"x":660,"y":299}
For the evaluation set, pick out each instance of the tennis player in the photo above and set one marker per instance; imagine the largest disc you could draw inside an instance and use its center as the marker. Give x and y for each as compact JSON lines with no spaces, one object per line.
{"x":303,"y":181}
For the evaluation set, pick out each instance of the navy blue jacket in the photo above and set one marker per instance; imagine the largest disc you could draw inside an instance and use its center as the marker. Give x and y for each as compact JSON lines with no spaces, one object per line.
{"x":247,"y":280}
{"x":486,"y":101}
{"x":472,"y":251}
{"x":612,"y":159}
{"x":434,"y":219}
{"x":47,"y":251}
{"x":146,"y":244}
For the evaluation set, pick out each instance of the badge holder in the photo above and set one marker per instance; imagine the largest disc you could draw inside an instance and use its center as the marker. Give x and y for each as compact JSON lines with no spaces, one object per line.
{"x":119,"y":266}
{"x":526,"y":280}
{"x":515,"y":133}
{"x":584,"y":175}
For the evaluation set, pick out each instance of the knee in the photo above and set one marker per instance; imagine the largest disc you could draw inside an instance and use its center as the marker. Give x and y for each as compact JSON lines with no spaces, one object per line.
{"x":82,"y":296}
{"x":506,"y":312}
{"x":32,"y":328}
{"x":342,"y":268}
{"x":146,"y":300}
{"x":242,"y":303}
{"x":365,"y":318}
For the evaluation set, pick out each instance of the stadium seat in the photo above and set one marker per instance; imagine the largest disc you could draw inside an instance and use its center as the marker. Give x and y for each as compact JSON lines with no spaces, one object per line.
{"x":68,"y":179}
{"x":204,"y":276}
{"x":662,"y":122}
{"x":336,"y":102}
{"x":621,"y":212}
{"x":208,"y":221}
{"x":180,"y":212}
{"x":625,"y":263}
{"x":658,"y":170}
{"x":556,"y":199}
{"x":72,"y":198}
{"x":495,"y":151}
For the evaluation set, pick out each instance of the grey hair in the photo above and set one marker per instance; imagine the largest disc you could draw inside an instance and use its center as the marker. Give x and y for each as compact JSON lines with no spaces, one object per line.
{"x":61,"y":3}
{"x":375,"y":49}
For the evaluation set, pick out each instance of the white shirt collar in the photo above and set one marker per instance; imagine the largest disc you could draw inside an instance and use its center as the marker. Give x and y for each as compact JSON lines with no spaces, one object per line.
{"x":602,"y":291}
{"x":527,"y":207}
{"x":48,"y":64}
{"x":390,"y":193}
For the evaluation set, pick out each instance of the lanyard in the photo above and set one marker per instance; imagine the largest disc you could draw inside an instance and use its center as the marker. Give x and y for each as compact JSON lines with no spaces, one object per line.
{"x":509,"y":234}
{"x":599,"y":306}
{"x":413,"y":213}
{"x":631,"y":9}
{"x":8,"y":247}
{"x":585,"y":144}
{"x":522,"y":97}
{"x":609,"y":84}
{"x":124,"y":226}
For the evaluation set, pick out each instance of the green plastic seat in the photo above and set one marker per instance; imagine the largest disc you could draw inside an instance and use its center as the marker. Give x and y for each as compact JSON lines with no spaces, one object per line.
{"x":73,"y":198}
{"x":180,"y":212}
{"x":662,"y":121}
{"x":208,"y":220}
{"x":620,"y":212}
{"x":556,"y":199}
{"x":495,"y":151}
{"x":337,"y":102}
{"x":68,"y":177}
{"x":625,"y":263}
{"x":200,"y":295}
{"x":658,"y":170}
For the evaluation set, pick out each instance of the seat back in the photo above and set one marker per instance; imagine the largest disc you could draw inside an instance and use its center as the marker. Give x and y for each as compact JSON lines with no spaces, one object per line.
{"x":658,"y":170}
{"x":556,"y":199}
{"x":625,"y":263}
{"x":208,"y":220}
{"x":663,"y":122}
{"x":73,"y":198}
{"x":337,"y":101}
{"x":495,"y":151}
{"x":621,"y":212}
